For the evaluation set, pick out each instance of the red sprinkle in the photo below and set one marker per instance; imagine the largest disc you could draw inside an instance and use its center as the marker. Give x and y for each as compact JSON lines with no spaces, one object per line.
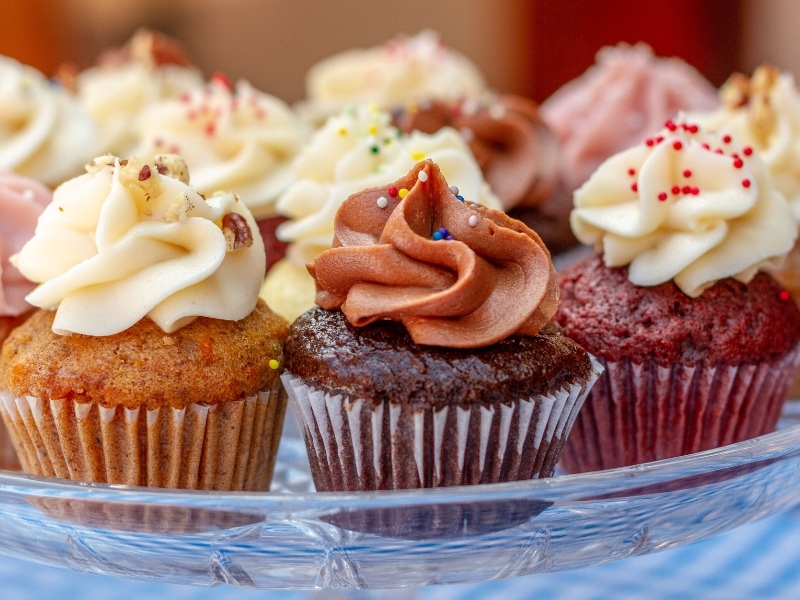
{"x":726,"y":139}
{"x":662,"y":196}
{"x":746,"y":183}
{"x":692,"y":128}
{"x":670,"y":125}
{"x":650,"y":142}
{"x":222,"y":79}
{"x":635,"y":187}
{"x":687,"y":173}
{"x":706,"y":146}
{"x":738,"y":163}
{"x":675,"y":190}
{"x":210,"y":129}
{"x":747,"y":150}
{"x":687,"y":190}
{"x":392,"y":191}
{"x":784,"y":295}
{"x":677,"y":145}
{"x":631,"y":172}
{"x":695,"y":190}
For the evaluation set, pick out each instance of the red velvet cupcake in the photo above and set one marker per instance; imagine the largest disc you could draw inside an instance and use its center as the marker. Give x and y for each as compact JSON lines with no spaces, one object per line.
{"x":699,"y":345}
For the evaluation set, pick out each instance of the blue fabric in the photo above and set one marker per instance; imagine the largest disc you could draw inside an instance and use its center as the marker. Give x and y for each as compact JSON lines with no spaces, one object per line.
{"x":760,"y":560}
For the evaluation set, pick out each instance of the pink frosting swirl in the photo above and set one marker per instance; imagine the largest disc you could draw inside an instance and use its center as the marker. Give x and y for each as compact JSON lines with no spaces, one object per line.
{"x":488,"y":277}
{"x":21,"y":202}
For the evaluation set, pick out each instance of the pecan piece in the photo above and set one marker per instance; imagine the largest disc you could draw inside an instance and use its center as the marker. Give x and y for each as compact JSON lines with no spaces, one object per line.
{"x":237,"y":231}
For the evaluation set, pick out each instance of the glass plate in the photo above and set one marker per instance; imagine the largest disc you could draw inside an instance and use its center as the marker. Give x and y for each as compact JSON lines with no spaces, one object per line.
{"x":293,"y":538}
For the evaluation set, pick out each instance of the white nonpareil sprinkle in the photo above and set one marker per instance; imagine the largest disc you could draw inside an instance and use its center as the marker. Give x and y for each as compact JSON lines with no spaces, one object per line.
{"x":454,"y":189}
{"x":382,"y":202}
{"x":28,"y":194}
{"x":473,"y":220}
{"x":422,"y":176}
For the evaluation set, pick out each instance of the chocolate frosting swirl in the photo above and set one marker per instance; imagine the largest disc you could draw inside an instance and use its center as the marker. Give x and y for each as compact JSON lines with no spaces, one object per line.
{"x":490,"y":277}
{"x":515,"y":149}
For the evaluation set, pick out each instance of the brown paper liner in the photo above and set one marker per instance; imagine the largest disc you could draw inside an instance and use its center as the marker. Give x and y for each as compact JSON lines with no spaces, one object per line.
{"x":223,"y":446}
{"x":8,"y":456}
{"x":641,"y":412}
{"x":356,"y":445}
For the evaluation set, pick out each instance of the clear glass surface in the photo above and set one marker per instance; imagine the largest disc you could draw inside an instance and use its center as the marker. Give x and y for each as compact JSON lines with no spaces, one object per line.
{"x":294,"y":538}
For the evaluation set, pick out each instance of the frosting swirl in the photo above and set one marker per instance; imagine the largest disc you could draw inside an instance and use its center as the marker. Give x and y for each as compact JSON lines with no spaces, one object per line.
{"x":21,"y":202}
{"x":626,"y":95}
{"x":401,"y":70}
{"x":44,"y":132}
{"x":235,"y":138}
{"x":130,"y":239}
{"x":149,"y":68}
{"x":454,"y":273}
{"x":686,"y":205}
{"x":763,"y":111}
{"x":516,"y":151}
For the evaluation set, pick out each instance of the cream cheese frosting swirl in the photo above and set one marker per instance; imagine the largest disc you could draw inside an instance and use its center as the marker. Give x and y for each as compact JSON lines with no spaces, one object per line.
{"x":686,"y":205}
{"x":235,"y":138}
{"x":44,"y":132}
{"x":454,"y":273}
{"x":130,"y":239}
{"x":22,"y":200}
{"x":403,"y":69}
{"x":763,"y":111}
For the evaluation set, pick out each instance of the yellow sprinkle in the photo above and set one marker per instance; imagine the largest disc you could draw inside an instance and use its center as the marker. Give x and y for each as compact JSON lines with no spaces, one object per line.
{"x":274,"y":364}
{"x":418,"y":155}
{"x":374,"y":107}
{"x":402,"y":193}
{"x":372,"y":129}
{"x":342,"y":130}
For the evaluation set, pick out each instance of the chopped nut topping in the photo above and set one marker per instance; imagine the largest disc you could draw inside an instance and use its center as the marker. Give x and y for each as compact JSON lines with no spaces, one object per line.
{"x":179,"y":209}
{"x":173,"y":166}
{"x":100,"y":163}
{"x":237,"y":231}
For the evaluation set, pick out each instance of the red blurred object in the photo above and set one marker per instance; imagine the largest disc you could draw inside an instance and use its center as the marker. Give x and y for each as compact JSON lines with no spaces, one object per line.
{"x":568,"y":33}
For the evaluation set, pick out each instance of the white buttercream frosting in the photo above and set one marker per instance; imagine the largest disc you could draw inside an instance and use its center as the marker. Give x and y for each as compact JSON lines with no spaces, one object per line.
{"x":234,"y":138}
{"x":130,"y":239}
{"x":686,"y":205}
{"x":763,"y":111}
{"x":44,"y":132}
{"x":356,"y":150}
{"x":404,"y":69}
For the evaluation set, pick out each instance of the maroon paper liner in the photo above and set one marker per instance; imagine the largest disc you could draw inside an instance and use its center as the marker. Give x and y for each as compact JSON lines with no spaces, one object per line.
{"x":228,"y":446}
{"x":641,"y":412}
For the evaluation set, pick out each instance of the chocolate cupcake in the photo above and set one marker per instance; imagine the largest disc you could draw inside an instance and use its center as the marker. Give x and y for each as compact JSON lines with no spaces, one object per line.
{"x":429,"y":361}
{"x":698,"y":344}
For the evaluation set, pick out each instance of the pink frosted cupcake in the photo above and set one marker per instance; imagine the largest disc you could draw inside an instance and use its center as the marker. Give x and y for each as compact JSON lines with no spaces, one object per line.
{"x":21,"y":202}
{"x":699,"y":343}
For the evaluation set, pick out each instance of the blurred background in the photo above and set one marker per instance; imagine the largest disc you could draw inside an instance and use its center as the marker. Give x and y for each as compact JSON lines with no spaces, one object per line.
{"x":529,"y":47}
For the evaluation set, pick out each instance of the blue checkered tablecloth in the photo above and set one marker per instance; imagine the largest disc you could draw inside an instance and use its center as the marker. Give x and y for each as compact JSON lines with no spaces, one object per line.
{"x":759,"y":560}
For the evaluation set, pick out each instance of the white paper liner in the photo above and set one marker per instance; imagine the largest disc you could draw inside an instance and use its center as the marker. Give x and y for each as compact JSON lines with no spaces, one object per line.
{"x":641,"y":412}
{"x":353,"y":445}
{"x":223,"y":446}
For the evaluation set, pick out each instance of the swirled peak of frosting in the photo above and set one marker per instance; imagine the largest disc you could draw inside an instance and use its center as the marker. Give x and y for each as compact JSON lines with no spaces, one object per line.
{"x":626,"y":95}
{"x":454,"y":273}
{"x":44,"y":132}
{"x":763,"y":111}
{"x":686,"y":205}
{"x":515,"y":149}
{"x":149,"y":68}
{"x":359,"y":149}
{"x":235,"y":138}
{"x":403,"y":69}
{"x":21,"y":202}
{"x":130,"y":239}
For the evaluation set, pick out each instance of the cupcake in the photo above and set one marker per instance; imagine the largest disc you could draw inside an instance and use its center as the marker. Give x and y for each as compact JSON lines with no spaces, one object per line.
{"x":625,"y":96}
{"x":429,"y":361}
{"x":235,"y":137}
{"x":402,"y":70}
{"x":698,"y":341}
{"x":45,"y":134}
{"x":357,"y":149}
{"x":517,"y":153}
{"x":124,"y":81}
{"x":151,"y":360}
{"x":21,"y":202}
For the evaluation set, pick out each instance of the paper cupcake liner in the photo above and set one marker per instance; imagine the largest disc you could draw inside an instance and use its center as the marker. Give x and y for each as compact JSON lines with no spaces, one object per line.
{"x":642,"y":412}
{"x":223,"y":446}
{"x":8,"y":456}
{"x":354,"y":444}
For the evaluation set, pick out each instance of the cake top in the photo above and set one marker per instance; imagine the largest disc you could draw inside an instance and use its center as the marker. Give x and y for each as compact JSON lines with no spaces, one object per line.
{"x":130,"y":239}
{"x":21,"y":202}
{"x":763,"y":111}
{"x":685,"y":205}
{"x":626,"y":95}
{"x":45,"y":133}
{"x":515,"y":149}
{"x":236,"y":138}
{"x":403,"y":69}
{"x":454,"y":273}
